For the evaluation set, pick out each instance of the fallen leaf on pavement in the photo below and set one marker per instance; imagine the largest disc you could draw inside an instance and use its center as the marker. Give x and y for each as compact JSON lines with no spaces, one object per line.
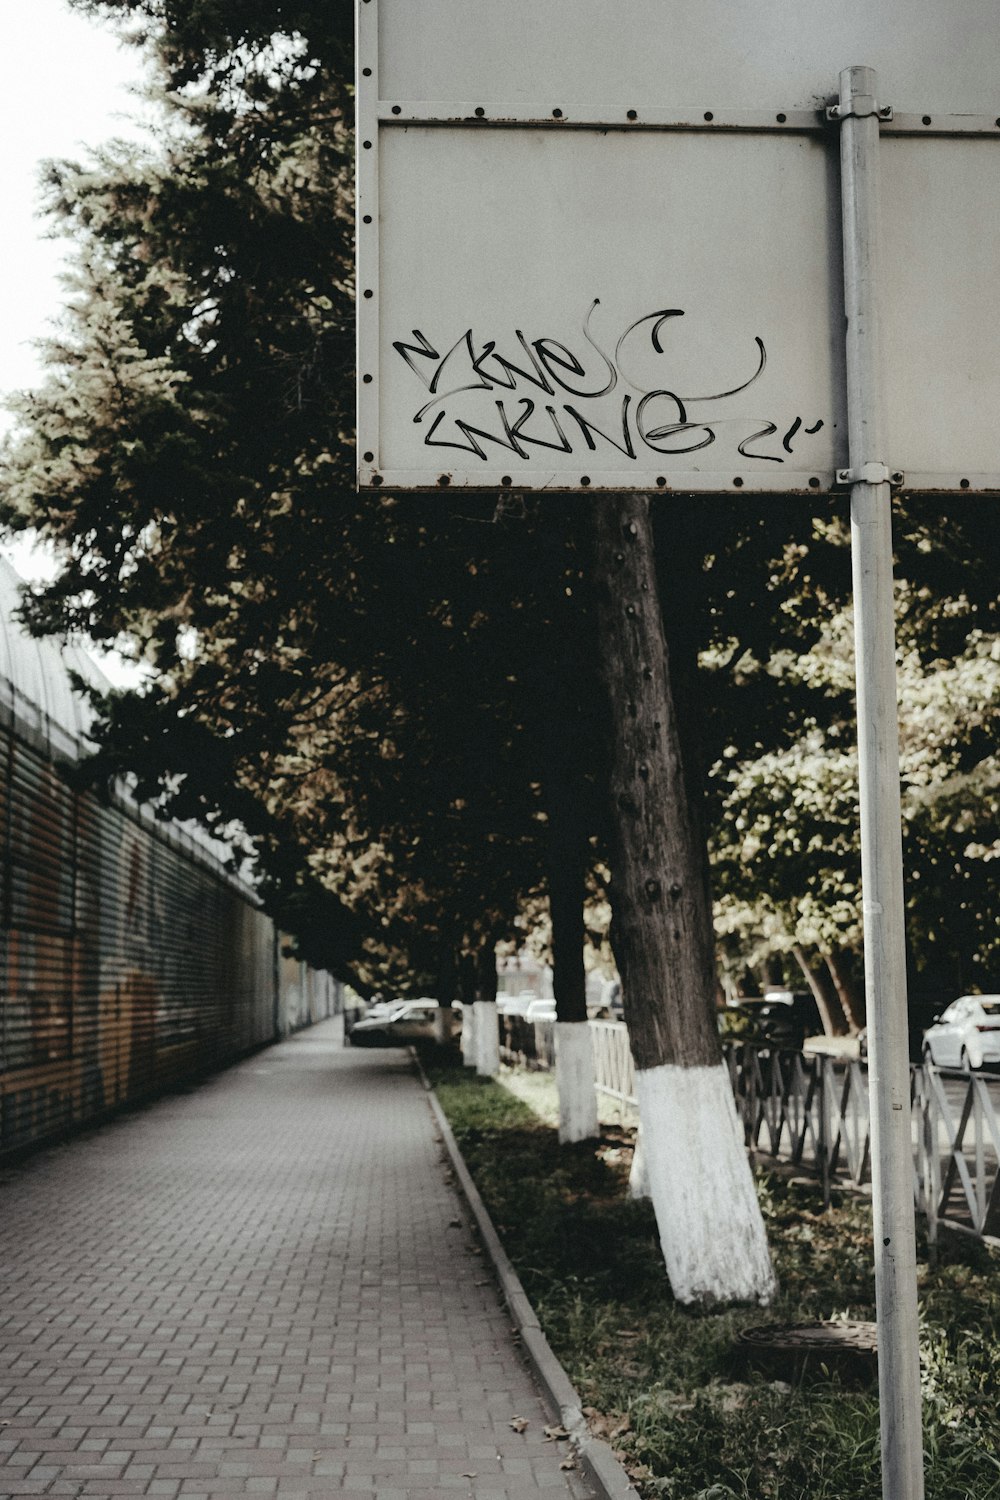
{"x":553,"y":1434}
{"x":518,"y":1423}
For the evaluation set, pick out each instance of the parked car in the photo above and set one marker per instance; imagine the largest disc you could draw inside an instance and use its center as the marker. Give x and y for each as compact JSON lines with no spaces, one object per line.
{"x":541,"y":1010}
{"x":966,"y":1035}
{"x":410,"y":1021}
{"x":783,"y":1018}
{"x":515,"y":1005}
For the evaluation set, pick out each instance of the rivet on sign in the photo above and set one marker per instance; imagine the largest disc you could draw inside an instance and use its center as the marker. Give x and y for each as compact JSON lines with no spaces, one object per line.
{"x":738,"y":482}
{"x":557,"y":114}
{"x":633,"y":114}
{"x":366,"y":72}
{"x":963,"y":484}
{"x":814,"y":483}
{"x":781,"y":119}
{"x":366,"y":219}
{"x":926,"y":119}
{"x":369,"y":294}
{"x":397,"y":109}
{"x":367,"y":145}
{"x":367,"y":379}
{"x":584,"y":478}
{"x":708,"y":115}
{"x":376,"y":479}
{"x":444,"y":479}
{"x":505,"y":479}
{"x":369,"y":458}
{"x":661,"y":480}
{"x":480,"y":111}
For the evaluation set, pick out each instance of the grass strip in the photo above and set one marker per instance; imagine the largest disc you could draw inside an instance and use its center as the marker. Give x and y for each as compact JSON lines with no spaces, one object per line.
{"x":666,"y":1384}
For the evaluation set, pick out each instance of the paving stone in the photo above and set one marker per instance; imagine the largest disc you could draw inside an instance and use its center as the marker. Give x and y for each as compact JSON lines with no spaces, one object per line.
{"x":253,"y":1289}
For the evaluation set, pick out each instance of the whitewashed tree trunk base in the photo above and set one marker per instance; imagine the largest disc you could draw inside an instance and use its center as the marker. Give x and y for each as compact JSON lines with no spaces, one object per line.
{"x":487,"y":1050}
{"x":575,"y":1082}
{"x":469,"y":1035}
{"x":701,"y":1185}
{"x":638,"y":1177}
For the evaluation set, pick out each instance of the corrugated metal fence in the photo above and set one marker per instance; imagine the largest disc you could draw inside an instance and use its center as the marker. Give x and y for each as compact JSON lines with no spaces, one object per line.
{"x":129,"y":959}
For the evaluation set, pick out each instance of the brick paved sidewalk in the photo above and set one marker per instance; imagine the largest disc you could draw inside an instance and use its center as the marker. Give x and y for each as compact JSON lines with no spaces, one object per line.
{"x":263,"y":1287}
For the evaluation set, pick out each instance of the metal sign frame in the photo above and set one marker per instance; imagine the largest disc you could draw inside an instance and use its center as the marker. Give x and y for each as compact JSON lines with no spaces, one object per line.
{"x":378,"y":117}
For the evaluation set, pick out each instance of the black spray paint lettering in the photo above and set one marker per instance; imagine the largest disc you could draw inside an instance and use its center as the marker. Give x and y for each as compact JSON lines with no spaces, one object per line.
{"x":659,"y":421}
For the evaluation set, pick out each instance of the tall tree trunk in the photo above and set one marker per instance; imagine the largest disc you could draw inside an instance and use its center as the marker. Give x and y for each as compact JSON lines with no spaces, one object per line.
{"x":447,"y":986}
{"x":850,"y":1002}
{"x":710,"y":1224}
{"x":487,"y":1036}
{"x":467,"y":978}
{"x":567,"y":853}
{"x":818,"y":992}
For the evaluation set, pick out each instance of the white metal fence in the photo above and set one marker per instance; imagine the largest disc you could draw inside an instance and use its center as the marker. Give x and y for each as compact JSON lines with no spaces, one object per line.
{"x":811,"y":1111}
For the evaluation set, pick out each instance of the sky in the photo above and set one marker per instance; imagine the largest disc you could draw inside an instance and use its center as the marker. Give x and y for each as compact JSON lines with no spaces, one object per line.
{"x":66,"y":87}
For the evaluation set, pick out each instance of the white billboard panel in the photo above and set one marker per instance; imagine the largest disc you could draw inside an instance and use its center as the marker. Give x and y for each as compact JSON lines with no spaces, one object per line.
{"x":542,"y":328}
{"x":628,"y":294}
{"x":750,"y":54}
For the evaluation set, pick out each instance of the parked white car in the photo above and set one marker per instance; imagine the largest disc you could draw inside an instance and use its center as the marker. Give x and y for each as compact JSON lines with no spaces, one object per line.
{"x":409,"y":1021}
{"x":515,"y":1005}
{"x":966,"y":1035}
{"x":541,"y":1010}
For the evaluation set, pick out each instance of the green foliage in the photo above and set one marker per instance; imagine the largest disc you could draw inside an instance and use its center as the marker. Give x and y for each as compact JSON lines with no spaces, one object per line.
{"x":666,"y":1384}
{"x":786,"y":857}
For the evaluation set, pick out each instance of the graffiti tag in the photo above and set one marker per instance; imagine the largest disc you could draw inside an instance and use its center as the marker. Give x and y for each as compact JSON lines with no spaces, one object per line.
{"x":551,"y":394}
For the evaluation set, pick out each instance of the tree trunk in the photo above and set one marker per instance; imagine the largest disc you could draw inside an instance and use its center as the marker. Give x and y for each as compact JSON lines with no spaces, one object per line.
{"x":447,"y":986}
{"x":850,"y":1002}
{"x":846,"y":993}
{"x":710,"y":1224}
{"x":487,"y":1037}
{"x":818,"y":992}
{"x":567,"y":852}
{"x":467,"y":995}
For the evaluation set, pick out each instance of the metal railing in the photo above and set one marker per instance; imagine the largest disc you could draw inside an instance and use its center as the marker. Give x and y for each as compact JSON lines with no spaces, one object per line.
{"x":613,"y":1071}
{"x":811,"y":1111}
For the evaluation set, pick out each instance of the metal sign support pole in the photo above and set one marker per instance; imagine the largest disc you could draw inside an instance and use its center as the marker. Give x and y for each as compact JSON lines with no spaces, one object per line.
{"x":881,"y":841}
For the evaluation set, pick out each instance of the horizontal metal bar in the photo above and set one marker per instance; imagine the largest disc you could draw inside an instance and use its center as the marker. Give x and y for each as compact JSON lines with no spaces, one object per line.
{"x":556,"y":115}
{"x":916,"y":483}
{"x":682,"y":483}
{"x":515,"y":481}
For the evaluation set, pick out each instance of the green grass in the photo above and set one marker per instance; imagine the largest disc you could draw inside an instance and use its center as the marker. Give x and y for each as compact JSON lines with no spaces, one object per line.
{"x":664,"y":1382}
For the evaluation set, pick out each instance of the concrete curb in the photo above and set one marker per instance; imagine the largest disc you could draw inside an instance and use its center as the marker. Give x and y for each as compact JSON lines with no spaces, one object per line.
{"x":596,"y":1457}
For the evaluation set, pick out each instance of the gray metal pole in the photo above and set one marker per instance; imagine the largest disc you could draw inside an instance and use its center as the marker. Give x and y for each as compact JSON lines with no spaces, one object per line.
{"x":881,"y":841}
